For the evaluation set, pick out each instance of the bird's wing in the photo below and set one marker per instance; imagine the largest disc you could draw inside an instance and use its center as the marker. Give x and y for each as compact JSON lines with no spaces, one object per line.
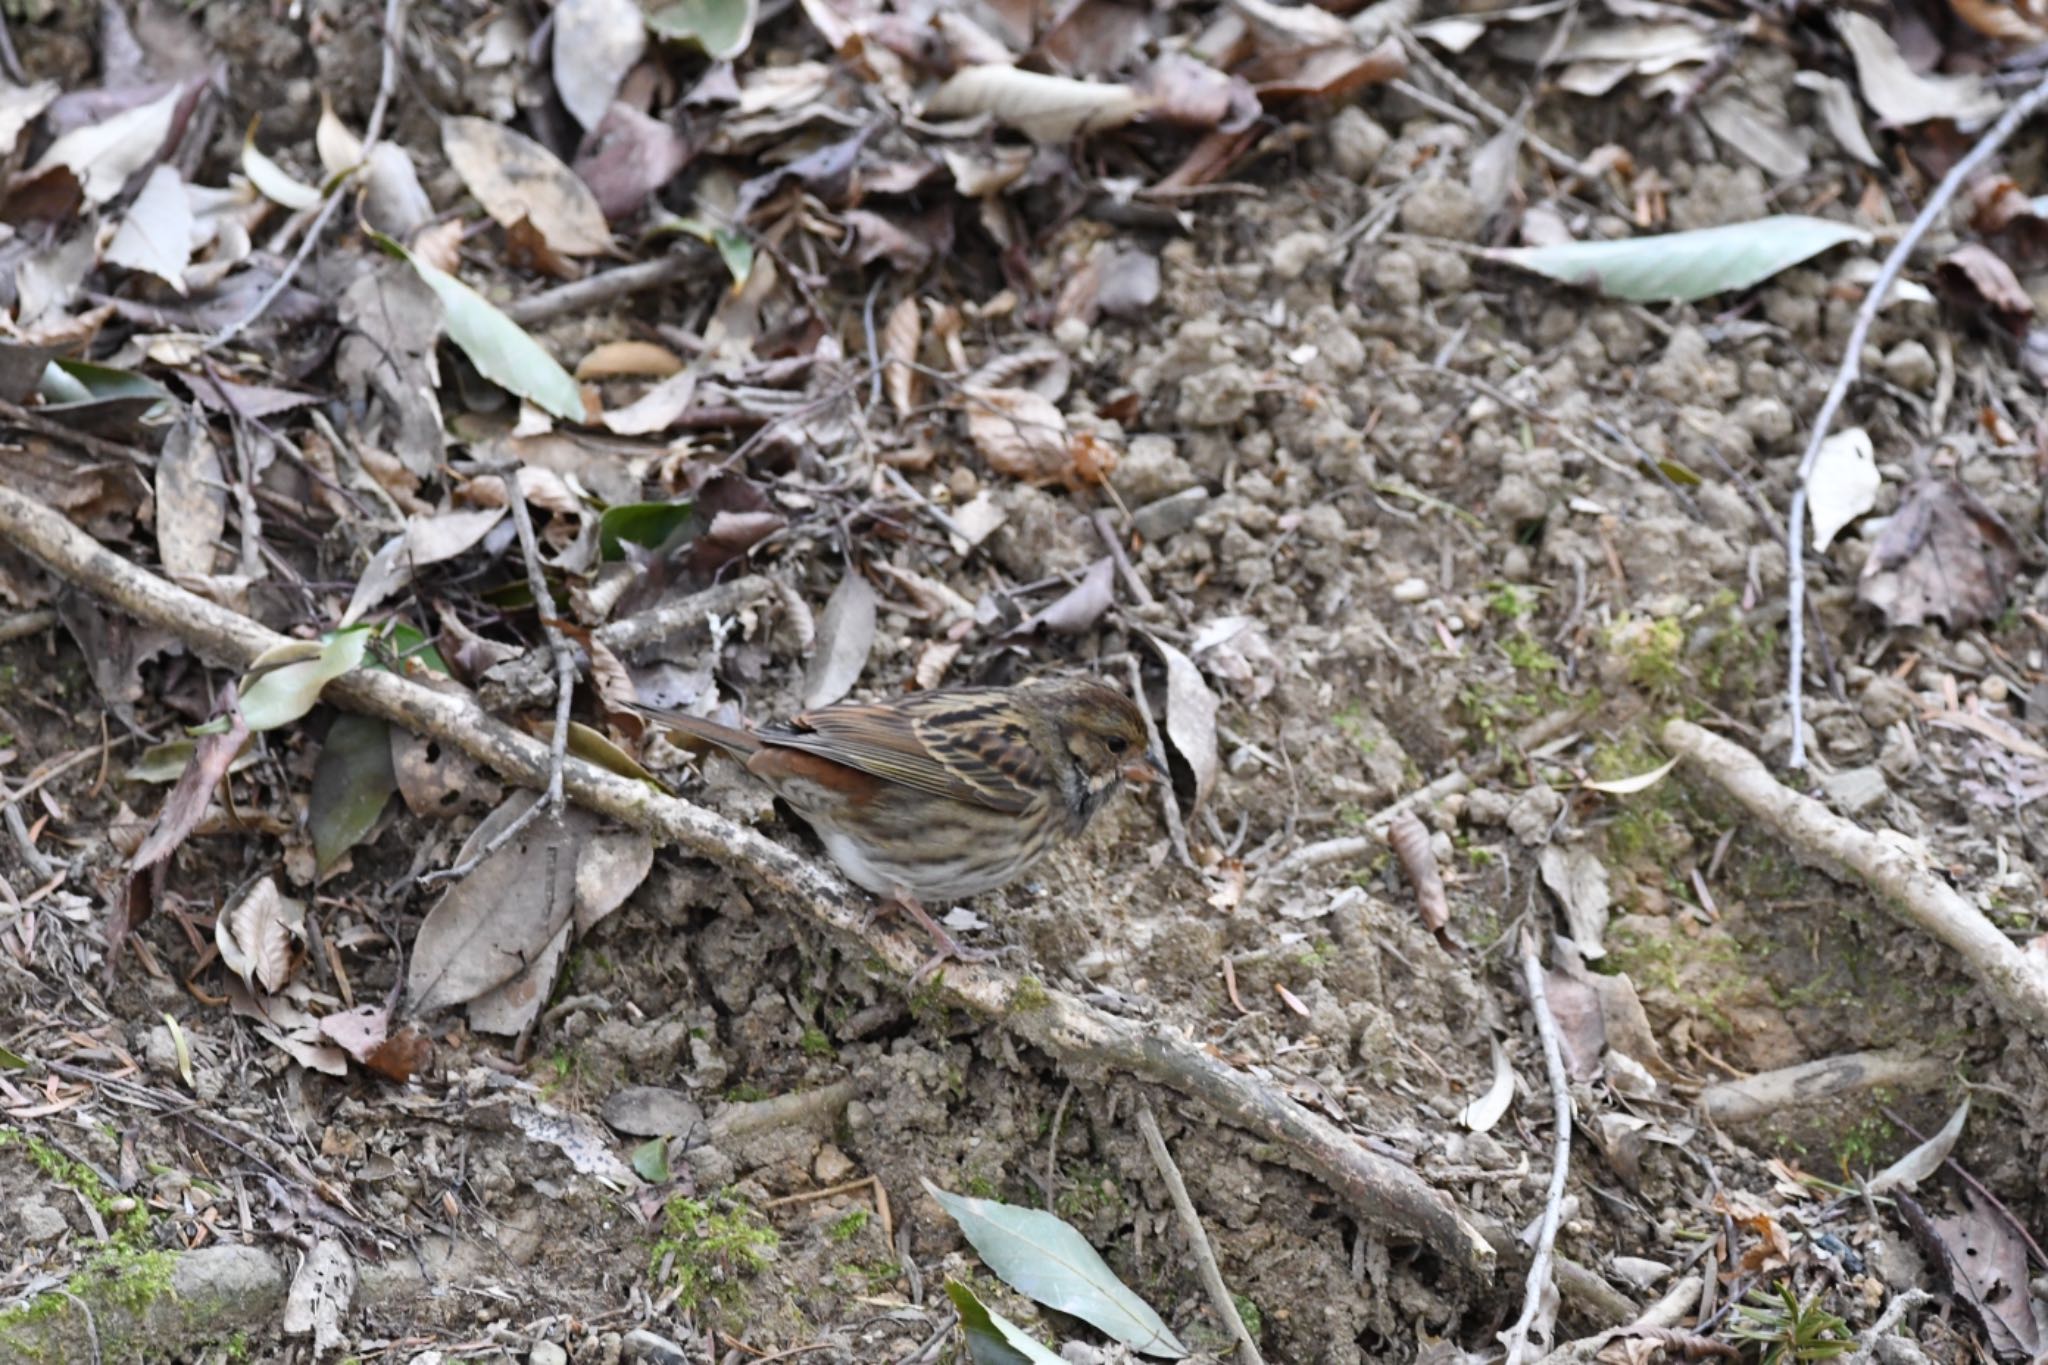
{"x":970,"y":744}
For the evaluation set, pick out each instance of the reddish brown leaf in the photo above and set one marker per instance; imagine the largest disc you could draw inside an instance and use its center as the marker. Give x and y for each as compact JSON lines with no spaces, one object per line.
{"x":187,"y":802}
{"x":1976,"y":270}
{"x":1944,"y":554}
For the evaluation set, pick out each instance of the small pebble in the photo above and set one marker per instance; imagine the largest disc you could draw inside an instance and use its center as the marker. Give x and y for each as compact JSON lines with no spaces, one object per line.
{"x":547,"y":1353}
{"x":1994,"y":688}
{"x":1411,"y":590}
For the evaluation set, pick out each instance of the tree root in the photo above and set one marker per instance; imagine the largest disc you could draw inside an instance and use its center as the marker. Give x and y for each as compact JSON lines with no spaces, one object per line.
{"x":1391,"y":1199}
{"x":1914,"y":893}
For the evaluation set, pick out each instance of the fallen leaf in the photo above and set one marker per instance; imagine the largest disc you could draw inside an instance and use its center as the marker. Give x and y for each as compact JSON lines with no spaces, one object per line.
{"x":657,"y":409}
{"x":104,"y":155}
{"x":1924,"y":1160}
{"x":1976,"y":270}
{"x":514,"y":177}
{"x":1988,"y":1262}
{"x":1758,"y":135}
{"x":1684,"y":266}
{"x":1190,"y":719}
{"x":155,"y":235}
{"x":320,"y":1294}
{"x":425,"y":541}
{"x":846,"y":632}
{"x":487,"y":927}
{"x":1021,"y":434}
{"x":993,"y":1339}
{"x":191,"y":500}
{"x":1484,"y":1111}
{"x":901,"y":335}
{"x":1901,"y":95}
{"x":1043,"y":108}
{"x":271,"y":180}
{"x":1944,"y":554}
{"x":596,"y":43}
{"x":352,"y":783}
{"x":187,"y":801}
{"x":627,"y":157}
{"x":628,"y":359}
{"x":259,"y":935}
{"x":1577,"y":877}
{"x":1078,"y":608}
{"x":283,"y":684}
{"x":19,"y":106}
{"x":722,"y":28}
{"x":1838,"y":112}
{"x":1042,"y":1256}
{"x":1842,"y":485}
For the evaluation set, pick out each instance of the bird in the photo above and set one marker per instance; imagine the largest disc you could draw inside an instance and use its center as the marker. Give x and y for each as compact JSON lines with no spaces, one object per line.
{"x":933,"y":797}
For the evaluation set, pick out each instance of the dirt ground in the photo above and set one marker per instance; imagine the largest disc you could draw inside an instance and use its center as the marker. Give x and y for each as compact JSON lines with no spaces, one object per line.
{"x":1390,"y":500}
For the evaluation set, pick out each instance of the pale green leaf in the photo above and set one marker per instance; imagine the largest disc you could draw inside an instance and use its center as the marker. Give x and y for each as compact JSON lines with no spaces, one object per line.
{"x":499,"y":348}
{"x":273,"y":181}
{"x":993,"y":1339}
{"x":723,"y":28}
{"x":282,"y":694}
{"x":1042,"y":1256}
{"x":1682,"y":266}
{"x":351,"y":783}
{"x":165,"y":763}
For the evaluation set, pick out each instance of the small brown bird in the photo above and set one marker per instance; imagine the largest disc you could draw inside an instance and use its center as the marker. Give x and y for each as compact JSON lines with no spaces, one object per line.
{"x":937,"y":796}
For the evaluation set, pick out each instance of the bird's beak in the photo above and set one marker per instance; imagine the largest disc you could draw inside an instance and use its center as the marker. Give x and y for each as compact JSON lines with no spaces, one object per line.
{"x":1144,"y":770}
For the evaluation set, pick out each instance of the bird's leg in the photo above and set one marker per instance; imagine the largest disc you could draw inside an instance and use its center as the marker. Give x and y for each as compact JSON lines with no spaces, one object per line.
{"x":949,"y":948}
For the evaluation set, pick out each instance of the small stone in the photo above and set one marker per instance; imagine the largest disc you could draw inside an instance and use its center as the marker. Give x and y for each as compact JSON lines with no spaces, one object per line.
{"x":1218,"y":398}
{"x":1442,"y":207}
{"x":1897,"y":1350}
{"x":1169,"y":516}
{"x":643,"y":1345}
{"x":39,"y":1221}
{"x":1296,"y":254}
{"x":1768,"y":419}
{"x":547,"y":1353}
{"x":1533,"y":812}
{"x":1856,"y":790}
{"x":1969,"y":655}
{"x":1515,"y":564}
{"x":1356,"y":142}
{"x":831,"y":1166}
{"x":1411,"y":590}
{"x":1886,"y":701}
{"x":1151,"y":468}
{"x":1994,"y":688}
{"x":1911,"y":366}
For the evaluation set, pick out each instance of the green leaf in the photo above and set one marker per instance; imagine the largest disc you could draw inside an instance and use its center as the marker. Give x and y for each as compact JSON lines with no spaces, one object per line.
{"x":12,"y":1061}
{"x":167,"y":762}
{"x":500,"y":349}
{"x":993,"y":1339}
{"x":650,"y":1161}
{"x":80,"y":392}
{"x":284,"y":693}
{"x":351,"y":783}
{"x":271,"y":180}
{"x":412,"y":646}
{"x":646,"y":524}
{"x":1682,"y":266}
{"x":592,"y":747}
{"x":1044,"y":1257}
{"x":723,"y":28}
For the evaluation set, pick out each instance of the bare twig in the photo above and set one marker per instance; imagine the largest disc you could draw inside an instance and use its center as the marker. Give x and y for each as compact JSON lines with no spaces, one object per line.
{"x":1516,"y":1338}
{"x":565,"y":689}
{"x":1198,"y":1237}
{"x":1500,"y":118}
{"x":1846,"y":851}
{"x":1901,"y":1304}
{"x":25,"y":624}
{"x":1052,"y":1144}
{"x":601,"y":288}
{"x":1386,"y":1194}
{"x":387,"y":84}
{"x":2017,"y":113}
{"x":1140,"y":594}
{"x":40,"y":866}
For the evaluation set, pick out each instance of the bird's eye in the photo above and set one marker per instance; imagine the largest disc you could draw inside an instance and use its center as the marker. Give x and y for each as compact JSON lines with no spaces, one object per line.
{"x":1117,"y":744}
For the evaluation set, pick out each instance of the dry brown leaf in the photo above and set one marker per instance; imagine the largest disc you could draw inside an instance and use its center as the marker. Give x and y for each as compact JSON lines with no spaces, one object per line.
{"x":1023,"y":435}
{"x":900,"y":338}
{"x":1043,"y":108}
{"x":628,"y":359}
{"x":932,"y":662}
{"x":2010,"y":21}
{"x":514,"y":177}
{"x":258,"y":935}
{"x":1943,"y":554}
{"x":191,"y":500}
{"x":1978,"y":270}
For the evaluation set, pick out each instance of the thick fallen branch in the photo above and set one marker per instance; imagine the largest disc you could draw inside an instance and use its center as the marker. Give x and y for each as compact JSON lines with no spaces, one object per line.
{"x":1847,"y":852}
{"x":1394,"y":1201}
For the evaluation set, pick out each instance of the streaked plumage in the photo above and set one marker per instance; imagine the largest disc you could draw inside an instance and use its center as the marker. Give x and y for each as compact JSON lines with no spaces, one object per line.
{"x":941,"y":795}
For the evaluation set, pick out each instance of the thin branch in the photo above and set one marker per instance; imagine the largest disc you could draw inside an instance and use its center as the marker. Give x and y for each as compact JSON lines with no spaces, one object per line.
{"x":1846,"y":374}
{"x":1169,"y":804}
{"x":1516,"y":1338}
{"x":601,"y":288}
{"x":565,"y":685}
{"x":387,"y":84}
{"x":1197,"y":1235}
{"x":1845,"y":851}
{"x":1387,"y":1195}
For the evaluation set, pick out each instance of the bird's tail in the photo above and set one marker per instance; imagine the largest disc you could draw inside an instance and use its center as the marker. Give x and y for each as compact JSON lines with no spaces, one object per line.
{"x":739,"y":743}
